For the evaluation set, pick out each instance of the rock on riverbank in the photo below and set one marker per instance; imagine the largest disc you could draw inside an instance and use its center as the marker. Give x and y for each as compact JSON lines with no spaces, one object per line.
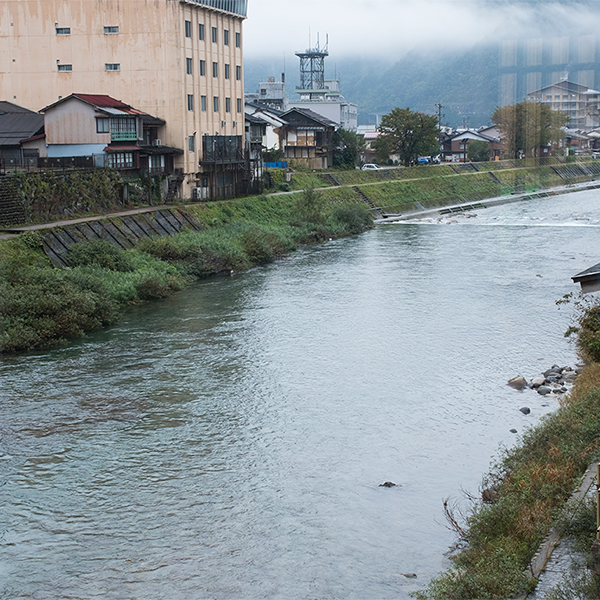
{"x":555,"y":380}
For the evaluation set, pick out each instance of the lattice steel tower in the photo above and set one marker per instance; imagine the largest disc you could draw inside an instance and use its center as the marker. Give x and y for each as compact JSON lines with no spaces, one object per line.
{"x":312,"y":68}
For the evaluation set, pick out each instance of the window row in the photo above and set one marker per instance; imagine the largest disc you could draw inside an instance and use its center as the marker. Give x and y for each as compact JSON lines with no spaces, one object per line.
{"x":107,"y":67}
{"x":203,"y":103}
{"x":189,"y":69}
{"x":214,"y":34}
{"x":117,"y":125}
{"x":111,"y":29}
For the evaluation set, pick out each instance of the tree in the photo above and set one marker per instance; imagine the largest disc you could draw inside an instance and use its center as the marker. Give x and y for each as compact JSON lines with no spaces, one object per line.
{"x":527,"y":126}
{"x":407,"y":134}
{"x":347,"y":146}
{"x":478,"y":151}
{"x":273,"y":155}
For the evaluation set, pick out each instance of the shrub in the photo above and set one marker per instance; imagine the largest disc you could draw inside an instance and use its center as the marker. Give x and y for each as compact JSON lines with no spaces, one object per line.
{"x":52,"y":305}
{"x":589,"y":334}
{"x":199,"y":253}
{"x":353,"y":219}
{"x":309,"y":206}
{"x":263,"y":245}
{"x":98,"y":252}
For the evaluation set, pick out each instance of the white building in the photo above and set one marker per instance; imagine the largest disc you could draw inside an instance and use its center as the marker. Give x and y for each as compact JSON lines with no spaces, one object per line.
{"x":329,"y":103}
{"x":577,"y":101}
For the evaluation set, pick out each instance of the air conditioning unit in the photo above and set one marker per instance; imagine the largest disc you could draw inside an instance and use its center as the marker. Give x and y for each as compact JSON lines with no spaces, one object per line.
{"x":157,"y":143}
{"x":235,"y":123}
{"x":223,"y":123}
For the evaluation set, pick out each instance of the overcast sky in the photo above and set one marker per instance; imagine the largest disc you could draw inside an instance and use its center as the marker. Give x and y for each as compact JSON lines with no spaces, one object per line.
{"x":392,"y":27}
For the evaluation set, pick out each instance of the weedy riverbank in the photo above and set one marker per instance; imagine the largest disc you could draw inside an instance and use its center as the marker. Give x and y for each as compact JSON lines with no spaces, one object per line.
{"x":41,"y":306}
{"x":531,"y":483}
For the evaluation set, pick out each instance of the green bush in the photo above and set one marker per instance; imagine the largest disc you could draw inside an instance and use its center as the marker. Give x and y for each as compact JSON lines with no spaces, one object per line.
{"x":309,"y":207}
{"x":589,"y":334}
{"x":98,"y":252}
{"x":353,"y":219}
{"x":263,"y":245}
{"x":51,"y":305}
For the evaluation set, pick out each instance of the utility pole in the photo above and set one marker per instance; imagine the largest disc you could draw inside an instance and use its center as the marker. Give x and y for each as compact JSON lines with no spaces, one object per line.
{"x":440,"y":115}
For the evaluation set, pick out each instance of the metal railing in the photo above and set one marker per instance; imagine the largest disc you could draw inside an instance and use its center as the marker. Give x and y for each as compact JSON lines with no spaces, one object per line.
{"x":238,"y":7}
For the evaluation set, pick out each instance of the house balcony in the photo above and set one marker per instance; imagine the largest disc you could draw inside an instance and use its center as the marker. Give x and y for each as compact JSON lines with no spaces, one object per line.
{"x":124,"y":136}
{"x":222,"y":149}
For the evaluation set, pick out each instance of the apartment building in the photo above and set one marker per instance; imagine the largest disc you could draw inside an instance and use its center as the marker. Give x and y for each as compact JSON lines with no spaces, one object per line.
{"x":179,"y":60}
{"x":577,"y":101}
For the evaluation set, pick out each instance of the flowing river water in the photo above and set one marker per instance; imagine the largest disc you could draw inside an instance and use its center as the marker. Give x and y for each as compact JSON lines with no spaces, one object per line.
{"x":229,"y":442}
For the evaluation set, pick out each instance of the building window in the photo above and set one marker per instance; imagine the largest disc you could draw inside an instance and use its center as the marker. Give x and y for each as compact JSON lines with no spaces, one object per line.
{"x":190,"y":100}
{"x":238,"y":73}
{"x":63,"y":31}
{"x":111,"y":29}
{"x":216,"y":104}
{"x":239,"y":105}
{"x":228,"y":105}
{"x":227,"y":71}
{"x":112,"y":67}
{"x":188,"y":29}
{"x":214,"y":35}
{"x":215,"y":69}
{"x":120,"y":160}
{"x":263,"y":91}
{"x":203,"y":103}
{"x":201,"y":32}
{"x":102,"y":125}
{"x":238,"y":40}
{"x":188,"y":66}
{"x":226,"y":37}
{"x":123,"y":129}
{"x":157,"y":163}
{"x":192,"y":143}
{"x":65,"y":68}
{"x":202,"y":68}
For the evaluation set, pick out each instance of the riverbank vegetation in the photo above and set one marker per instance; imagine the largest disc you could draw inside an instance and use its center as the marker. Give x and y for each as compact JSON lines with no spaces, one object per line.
{"x":41,"y":306}
{"x":526,"y":490}
{"x":237,"y":235}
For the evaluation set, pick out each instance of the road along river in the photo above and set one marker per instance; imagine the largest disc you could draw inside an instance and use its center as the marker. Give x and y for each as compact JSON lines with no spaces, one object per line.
{"x":229,"y":442}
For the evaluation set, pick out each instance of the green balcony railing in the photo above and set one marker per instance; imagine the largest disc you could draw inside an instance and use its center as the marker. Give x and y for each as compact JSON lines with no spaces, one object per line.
{"x":123,"y":136}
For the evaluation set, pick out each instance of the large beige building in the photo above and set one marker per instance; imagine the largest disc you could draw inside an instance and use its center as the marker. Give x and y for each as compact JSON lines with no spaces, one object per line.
{"x":179,"y":60}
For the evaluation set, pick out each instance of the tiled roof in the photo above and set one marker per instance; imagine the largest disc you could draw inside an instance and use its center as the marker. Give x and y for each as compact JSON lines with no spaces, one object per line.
{"x":9,"y":107}
{"x":15,"y":127}
{"x":102,"y":101}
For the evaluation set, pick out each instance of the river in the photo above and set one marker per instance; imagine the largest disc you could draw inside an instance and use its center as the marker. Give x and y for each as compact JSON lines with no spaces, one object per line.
{"x":229,"y":442}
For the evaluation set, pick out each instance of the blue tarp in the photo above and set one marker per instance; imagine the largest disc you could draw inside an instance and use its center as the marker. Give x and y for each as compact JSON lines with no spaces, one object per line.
{"x":276,"y":165}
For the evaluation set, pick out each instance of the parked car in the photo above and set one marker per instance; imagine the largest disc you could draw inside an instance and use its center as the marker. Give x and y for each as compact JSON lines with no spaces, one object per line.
{"x":370,"y":167}
{"x":423,"y":160}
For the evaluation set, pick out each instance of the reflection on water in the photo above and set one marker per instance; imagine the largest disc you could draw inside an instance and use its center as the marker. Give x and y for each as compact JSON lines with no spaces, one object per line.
{"x":229,"y":442}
